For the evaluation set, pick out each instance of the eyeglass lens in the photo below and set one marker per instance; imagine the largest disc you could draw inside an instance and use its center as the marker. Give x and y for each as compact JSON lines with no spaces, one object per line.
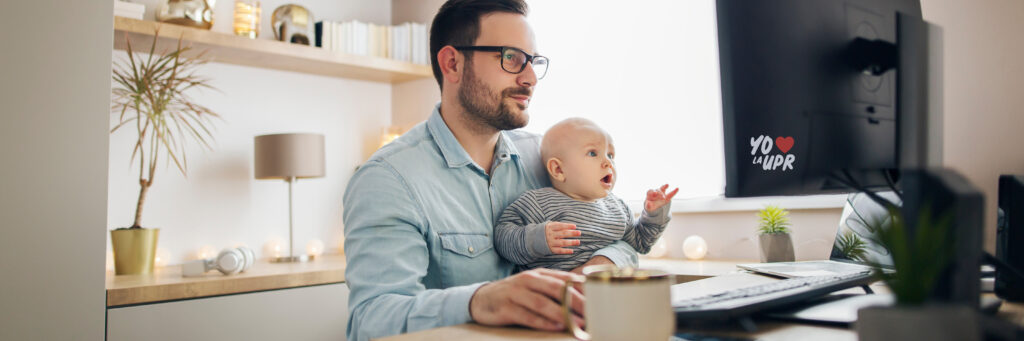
{"x":514,"y":61}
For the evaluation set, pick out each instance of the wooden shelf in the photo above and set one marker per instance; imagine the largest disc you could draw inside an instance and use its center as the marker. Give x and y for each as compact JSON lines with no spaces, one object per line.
{"x":263,"y":53}
{"x":167,"y":284}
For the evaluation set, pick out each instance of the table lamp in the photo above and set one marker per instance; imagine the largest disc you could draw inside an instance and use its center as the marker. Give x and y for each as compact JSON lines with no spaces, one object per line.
{"x":289,"y":157}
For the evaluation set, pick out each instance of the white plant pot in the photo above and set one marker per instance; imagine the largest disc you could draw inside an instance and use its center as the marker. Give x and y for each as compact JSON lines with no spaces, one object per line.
{"x":776,"y":247}
{"x":927,"y":322}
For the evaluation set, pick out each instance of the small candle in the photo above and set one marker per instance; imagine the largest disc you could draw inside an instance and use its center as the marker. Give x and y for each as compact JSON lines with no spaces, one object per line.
{"x":315,"y":248}
{"x":162,"y":257}
{"x":659,"y":249}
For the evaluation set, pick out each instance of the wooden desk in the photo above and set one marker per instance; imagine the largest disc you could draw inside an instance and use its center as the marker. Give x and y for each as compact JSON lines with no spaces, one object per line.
{"x":271,"y":301}
{"x":697,"y":278}
{"x":167,"y":284}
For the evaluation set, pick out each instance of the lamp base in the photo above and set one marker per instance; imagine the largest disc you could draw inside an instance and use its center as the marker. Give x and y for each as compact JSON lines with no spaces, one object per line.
{"x":291,"y":259}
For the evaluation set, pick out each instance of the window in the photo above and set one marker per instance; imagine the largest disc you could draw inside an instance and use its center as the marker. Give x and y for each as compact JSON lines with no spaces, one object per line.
{"x":647,"y":72}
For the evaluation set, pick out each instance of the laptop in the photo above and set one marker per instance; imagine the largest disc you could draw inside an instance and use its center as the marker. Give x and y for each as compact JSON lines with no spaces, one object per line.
{"x":855,"y":248}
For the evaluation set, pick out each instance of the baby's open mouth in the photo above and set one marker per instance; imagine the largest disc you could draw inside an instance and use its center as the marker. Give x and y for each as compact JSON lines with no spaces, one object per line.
{"x":607,"y":179}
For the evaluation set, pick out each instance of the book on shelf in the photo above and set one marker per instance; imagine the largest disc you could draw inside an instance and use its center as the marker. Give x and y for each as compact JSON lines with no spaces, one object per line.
{"x":406,"y":42}
{"x":129,"y":9}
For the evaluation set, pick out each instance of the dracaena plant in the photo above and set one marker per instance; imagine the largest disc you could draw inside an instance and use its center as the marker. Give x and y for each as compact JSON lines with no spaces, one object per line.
{"x":773,"y":219}
{"x":150,"y":95}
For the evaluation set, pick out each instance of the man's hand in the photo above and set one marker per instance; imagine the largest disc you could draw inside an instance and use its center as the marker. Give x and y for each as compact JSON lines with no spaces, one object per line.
{"x":556,"y":233}
{"x":597,"y":260}
{"x":658,"y":198}
{"x":529,"y":298}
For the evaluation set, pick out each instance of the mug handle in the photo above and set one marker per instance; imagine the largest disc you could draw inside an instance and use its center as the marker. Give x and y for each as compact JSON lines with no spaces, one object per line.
{"x":570,"y":325}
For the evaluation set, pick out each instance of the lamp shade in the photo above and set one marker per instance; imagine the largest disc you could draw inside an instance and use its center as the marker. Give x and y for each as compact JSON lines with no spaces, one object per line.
{"x":282,"y":156}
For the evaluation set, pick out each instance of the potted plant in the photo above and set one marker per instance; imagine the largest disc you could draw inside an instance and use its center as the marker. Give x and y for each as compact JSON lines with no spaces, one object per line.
{"x":776,"y":243}
{"x":851,"y":246}
{"x":920,"y":257}
{"x":149,"y":95}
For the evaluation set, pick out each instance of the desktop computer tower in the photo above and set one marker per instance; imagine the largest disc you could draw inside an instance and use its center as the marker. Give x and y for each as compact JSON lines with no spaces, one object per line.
{"x":1010,"y":237}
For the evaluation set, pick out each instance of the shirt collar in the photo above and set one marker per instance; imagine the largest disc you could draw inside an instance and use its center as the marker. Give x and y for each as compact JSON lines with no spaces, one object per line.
{"x":453,"y":153}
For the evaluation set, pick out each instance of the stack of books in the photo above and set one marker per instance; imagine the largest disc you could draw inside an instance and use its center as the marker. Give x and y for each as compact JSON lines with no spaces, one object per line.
{"x":128,"y":9}
{"x":406,"y":42}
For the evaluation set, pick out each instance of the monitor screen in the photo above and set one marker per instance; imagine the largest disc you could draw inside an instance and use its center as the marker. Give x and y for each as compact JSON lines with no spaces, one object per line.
{"x":796,"y":109}
{"x":857,"y":238}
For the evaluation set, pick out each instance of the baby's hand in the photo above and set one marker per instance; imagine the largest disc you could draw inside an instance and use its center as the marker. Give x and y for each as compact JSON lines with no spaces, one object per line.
{"x":658,"y":198}
{"x":556,"y":233}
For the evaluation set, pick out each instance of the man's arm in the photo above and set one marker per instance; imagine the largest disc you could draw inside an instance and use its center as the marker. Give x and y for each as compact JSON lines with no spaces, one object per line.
{"x":387,"y":256}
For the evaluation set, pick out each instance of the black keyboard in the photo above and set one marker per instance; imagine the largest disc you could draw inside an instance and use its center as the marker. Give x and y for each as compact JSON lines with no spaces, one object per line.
{"x":749,"y":300}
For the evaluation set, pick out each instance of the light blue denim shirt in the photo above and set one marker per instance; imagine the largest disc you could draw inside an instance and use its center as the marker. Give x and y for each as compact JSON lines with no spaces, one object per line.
{"x":419,"y":221}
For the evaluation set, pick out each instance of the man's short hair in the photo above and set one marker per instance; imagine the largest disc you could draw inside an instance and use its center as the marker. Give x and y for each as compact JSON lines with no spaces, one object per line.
{"x":457,"y":23}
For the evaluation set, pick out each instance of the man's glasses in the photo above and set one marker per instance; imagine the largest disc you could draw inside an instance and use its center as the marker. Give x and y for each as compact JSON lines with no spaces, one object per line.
{"x":513,"y":60}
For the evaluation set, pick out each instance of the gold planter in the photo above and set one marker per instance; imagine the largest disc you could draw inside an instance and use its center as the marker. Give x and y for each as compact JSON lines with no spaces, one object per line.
{"x":134,"y":250}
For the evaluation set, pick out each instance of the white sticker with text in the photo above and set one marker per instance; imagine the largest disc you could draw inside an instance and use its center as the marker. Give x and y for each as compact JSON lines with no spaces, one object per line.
{"x":762,"y":148}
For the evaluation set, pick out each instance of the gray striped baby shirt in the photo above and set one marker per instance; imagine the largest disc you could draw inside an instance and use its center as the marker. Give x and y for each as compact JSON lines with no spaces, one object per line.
{"x":519,"y":235}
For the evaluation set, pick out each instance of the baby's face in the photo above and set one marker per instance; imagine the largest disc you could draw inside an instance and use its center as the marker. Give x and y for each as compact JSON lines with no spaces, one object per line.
{"x":588,"y":161}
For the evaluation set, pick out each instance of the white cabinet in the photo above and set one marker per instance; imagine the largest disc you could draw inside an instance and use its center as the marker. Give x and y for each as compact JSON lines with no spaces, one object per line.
{"x":318,"y":312}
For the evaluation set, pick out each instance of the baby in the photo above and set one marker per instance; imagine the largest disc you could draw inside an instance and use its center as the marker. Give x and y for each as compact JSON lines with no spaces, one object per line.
{"x":561,"y":227}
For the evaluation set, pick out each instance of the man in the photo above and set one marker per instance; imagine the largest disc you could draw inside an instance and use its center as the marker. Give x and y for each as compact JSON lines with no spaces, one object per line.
{"x":419,"y":215}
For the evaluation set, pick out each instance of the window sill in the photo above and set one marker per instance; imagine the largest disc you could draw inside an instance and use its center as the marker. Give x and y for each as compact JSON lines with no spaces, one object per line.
{"x":722,"y":204}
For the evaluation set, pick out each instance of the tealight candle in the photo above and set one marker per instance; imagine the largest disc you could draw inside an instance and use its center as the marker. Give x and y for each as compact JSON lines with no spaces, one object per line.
{"x":315,"y":248}
{"x":659,"y":249}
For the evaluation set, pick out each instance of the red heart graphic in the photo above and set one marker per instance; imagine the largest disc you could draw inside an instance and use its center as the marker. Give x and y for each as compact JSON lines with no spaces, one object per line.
{"x":784,"y":143}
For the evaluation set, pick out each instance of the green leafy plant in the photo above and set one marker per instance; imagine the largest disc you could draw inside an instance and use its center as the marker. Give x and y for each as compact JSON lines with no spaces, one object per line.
{"x":919,"y":256}
{"x":773,"y":219}
{"x":149,"y":94}
{"x":852,"y":246}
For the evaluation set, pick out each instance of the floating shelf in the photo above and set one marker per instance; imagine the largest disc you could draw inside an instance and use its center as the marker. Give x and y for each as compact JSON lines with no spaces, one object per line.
{"x":264,"y":53}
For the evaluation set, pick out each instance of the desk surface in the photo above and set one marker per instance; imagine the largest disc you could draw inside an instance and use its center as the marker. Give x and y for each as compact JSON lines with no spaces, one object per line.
{"x":727,"y":276}
{"x":167,"y":284}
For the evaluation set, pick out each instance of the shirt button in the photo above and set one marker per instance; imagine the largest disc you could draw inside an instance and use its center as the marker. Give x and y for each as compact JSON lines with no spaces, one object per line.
{"x":470,"y":249}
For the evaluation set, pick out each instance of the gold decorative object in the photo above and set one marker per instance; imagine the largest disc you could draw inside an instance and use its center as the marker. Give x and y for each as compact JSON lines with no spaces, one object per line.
{"x":134,"y":250}
{"x":194,"y":13}
{"x":292,"y":23}
{"x":247,"y":18}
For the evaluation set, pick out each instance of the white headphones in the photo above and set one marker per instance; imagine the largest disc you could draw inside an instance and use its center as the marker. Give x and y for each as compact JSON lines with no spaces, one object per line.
{"x":228,"y":262}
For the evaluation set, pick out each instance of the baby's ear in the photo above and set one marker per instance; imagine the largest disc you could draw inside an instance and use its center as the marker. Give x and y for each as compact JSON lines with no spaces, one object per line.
{"x":554,"y":166}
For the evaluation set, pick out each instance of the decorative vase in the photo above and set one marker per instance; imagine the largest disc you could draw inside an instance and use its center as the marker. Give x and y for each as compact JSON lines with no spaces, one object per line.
{"x":193,"y":13}
{"x":293,"y":23}
{"x":927,"y":322}
{"x":776,"y":247}
{"x":247,"y":18}
{"x":134,"y":250}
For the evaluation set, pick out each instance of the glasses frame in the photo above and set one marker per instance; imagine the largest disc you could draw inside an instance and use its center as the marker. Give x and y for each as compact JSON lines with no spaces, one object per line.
{"x":501,"y":49}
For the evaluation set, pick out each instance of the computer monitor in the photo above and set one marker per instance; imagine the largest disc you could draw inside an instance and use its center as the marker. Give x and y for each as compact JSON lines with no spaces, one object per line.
{"x":799,"y":105}
{"x":827,"y":96}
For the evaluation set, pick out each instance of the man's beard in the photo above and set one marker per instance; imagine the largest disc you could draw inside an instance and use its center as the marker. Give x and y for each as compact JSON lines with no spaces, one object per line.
{"x":487,"y":109}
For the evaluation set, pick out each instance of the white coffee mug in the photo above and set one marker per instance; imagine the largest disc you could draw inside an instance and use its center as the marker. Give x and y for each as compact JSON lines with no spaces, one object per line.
{"x":622,"y":304}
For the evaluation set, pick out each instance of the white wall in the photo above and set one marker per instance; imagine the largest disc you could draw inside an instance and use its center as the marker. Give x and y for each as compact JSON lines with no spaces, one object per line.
{"x":733,"y":235}
{"x":225,"y":206}
{"x":53,"y":143}
{"x":220,"y":204}
{"x":984,"y":83}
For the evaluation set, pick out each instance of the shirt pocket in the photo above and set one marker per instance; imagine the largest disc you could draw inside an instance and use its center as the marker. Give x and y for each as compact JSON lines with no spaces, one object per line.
{"x":469,"y":245}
